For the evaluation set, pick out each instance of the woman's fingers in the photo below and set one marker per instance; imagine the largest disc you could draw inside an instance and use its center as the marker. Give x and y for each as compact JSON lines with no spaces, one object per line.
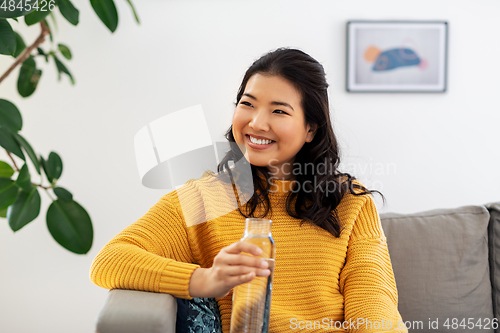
{"x":245,"y":278}
{"x":232,"y":255}
{"x":241,"y":246}
{"x":245,"y":260}
{"x":244,"y":270}
{"x":224,"y":271}
{"x":235,"y":264}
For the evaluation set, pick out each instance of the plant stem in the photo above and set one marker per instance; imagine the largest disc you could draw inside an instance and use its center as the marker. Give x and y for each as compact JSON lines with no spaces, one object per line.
{"x":48,"y":193}
{"x":12,"y":159}
{"x":26,"y":53}
{"x":40,"y":185}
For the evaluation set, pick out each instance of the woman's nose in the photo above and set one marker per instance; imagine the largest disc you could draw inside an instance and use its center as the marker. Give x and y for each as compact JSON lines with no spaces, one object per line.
{"x":259,"y":122}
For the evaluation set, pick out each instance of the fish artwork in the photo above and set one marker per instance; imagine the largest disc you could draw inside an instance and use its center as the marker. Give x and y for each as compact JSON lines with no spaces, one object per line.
{"x":393,"y":58}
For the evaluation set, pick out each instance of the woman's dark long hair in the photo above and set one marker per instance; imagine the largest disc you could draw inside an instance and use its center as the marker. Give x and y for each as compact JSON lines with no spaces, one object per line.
{"x":322,"y":190}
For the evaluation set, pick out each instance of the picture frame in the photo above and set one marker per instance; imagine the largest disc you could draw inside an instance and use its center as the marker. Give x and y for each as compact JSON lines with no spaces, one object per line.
{"x":397,"y":56}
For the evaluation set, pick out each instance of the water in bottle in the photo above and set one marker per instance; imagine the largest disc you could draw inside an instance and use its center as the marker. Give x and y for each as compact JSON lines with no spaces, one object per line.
{"x":252,"y":301}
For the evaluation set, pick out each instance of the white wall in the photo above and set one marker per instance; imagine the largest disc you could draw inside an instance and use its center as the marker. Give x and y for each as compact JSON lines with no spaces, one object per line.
{"x":425,"y":151}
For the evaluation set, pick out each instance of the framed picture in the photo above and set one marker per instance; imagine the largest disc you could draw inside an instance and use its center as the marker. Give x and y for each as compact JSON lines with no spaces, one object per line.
{"x":396,"y":56}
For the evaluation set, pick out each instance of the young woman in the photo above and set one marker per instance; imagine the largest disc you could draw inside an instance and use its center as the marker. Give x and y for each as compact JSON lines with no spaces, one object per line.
{"x":333,"y":271}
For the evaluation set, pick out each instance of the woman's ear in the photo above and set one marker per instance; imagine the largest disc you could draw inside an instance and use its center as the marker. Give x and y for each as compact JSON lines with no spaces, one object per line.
{"x":311,"y":132}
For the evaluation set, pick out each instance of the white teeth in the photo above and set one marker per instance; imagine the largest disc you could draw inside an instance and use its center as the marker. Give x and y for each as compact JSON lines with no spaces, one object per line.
{"x":260,"y":141}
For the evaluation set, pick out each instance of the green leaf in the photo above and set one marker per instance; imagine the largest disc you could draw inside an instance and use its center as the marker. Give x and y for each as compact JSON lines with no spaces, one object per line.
{"x":63,"y":194}
{"x":7,"y":38}
{"x":41,"y":52}
{"x":20,"y":45}
{"x":6,"y":170}
{"x":10,"y":116}
{"x":69,"y":11}
{"x":55,"y":165}
{"x":3,"y":213}
{"x":65,"y":51}
{"x":52,"y":167}
{"x":53,"y":20}
{"x":25,"y":209}
{"x":27,"y":148}
{"x":8,"y":192}
{"x":12,"y":10}
{"x":133,"y":10}
{"x":8,"y":142}
{"x":70,"y":225}
{"x":62,"y":69}
{"x":48,"y":26}
{"x":29,"y":76}
{"x":24,"y":178}
{"x":106,"y":11}
{"x":46,"y":169}
{"x":39,"y":14}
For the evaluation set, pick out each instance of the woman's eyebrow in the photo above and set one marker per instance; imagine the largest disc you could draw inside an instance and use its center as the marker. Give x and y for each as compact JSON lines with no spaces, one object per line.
{"x":282,"y":104}
{"x":272,"y":103}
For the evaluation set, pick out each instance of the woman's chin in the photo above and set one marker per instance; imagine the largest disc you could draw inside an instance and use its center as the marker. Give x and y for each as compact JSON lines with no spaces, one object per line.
{"x":258,"y":162}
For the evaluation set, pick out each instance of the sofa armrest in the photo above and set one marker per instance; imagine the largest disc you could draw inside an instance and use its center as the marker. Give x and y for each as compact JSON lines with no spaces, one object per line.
{"x":131,"y":311}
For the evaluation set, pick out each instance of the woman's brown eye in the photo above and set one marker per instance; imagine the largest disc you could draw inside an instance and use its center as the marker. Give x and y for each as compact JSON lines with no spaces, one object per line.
{"x":280,"y":111}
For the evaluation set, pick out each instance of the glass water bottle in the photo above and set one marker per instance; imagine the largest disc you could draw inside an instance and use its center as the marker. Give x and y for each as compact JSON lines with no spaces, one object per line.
{"x":252,"y":300}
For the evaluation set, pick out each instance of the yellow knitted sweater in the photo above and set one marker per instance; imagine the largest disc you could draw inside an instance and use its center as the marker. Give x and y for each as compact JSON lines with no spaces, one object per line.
{"x":321,"y":283}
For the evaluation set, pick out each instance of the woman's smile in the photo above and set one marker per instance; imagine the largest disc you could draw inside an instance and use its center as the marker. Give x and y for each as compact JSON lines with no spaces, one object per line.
{"x":255,"y":143}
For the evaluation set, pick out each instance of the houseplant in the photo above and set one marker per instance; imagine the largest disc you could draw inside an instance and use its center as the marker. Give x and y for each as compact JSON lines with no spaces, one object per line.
{"x":20,"y":201}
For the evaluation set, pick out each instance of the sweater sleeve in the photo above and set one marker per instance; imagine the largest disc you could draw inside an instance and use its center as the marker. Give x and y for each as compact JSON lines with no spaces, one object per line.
{"x":152,"y":254}
{"x":367,"y":279}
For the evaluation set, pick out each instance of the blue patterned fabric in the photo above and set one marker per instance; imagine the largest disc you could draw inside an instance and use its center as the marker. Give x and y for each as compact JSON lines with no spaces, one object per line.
{"x":199,"y":315}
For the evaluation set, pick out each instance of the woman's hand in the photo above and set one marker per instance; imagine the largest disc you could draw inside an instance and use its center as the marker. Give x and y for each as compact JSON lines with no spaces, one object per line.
{"x":230,"y":269}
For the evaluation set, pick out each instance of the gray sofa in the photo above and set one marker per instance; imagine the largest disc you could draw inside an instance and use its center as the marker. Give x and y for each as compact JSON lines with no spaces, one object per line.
{"x":446,"y":263}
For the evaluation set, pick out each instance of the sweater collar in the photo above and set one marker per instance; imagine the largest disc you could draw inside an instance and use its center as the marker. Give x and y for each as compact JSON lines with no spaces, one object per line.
{"x":278,"y":185}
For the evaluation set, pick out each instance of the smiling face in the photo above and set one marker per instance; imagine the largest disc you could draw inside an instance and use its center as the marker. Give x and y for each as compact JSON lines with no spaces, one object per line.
{"x":269,"y":123}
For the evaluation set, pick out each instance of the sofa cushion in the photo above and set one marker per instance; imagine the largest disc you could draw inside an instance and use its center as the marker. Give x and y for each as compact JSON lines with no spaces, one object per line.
{"x":494,"y":244}
{"x":440,"y":262}
{"x":198,"y":315}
